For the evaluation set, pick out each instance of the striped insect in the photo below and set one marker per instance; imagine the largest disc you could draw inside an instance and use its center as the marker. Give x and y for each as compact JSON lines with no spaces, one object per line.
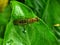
{"x":26,"y":21}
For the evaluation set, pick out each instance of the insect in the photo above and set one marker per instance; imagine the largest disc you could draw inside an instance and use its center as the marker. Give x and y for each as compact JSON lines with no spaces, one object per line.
{"x":25,"y":21}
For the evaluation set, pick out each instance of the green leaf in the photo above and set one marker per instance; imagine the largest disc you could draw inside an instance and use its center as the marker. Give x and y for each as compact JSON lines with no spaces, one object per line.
{"x":5,"y":15}
{"x":52,"y":16}
{"x":37,"y":33}
{"x":4,"y":18}
{"x":29,"y":34}
{"x":50,"y":12}
{"x":21,"y":14}
{"x":38,"y":6}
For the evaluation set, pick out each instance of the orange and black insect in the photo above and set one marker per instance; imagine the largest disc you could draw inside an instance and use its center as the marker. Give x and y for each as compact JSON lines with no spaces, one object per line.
{"x":25,"y":21}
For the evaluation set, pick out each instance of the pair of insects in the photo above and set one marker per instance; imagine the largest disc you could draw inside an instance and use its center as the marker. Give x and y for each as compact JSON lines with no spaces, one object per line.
{"x":25,"y":21}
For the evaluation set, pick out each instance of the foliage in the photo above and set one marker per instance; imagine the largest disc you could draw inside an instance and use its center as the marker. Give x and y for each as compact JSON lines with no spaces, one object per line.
{"x":40,"y":32}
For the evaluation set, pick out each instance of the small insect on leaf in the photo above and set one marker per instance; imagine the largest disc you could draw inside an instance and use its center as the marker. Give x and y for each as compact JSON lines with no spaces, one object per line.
{"x":26,"y":21}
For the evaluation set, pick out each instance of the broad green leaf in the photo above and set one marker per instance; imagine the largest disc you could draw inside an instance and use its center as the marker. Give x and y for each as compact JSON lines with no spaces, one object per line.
{"x":14,"y":35}
{"x":29,"y":34}
{"x":21,"y":13}
{"x":50,"y":12}
{"x":37,"y":33}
